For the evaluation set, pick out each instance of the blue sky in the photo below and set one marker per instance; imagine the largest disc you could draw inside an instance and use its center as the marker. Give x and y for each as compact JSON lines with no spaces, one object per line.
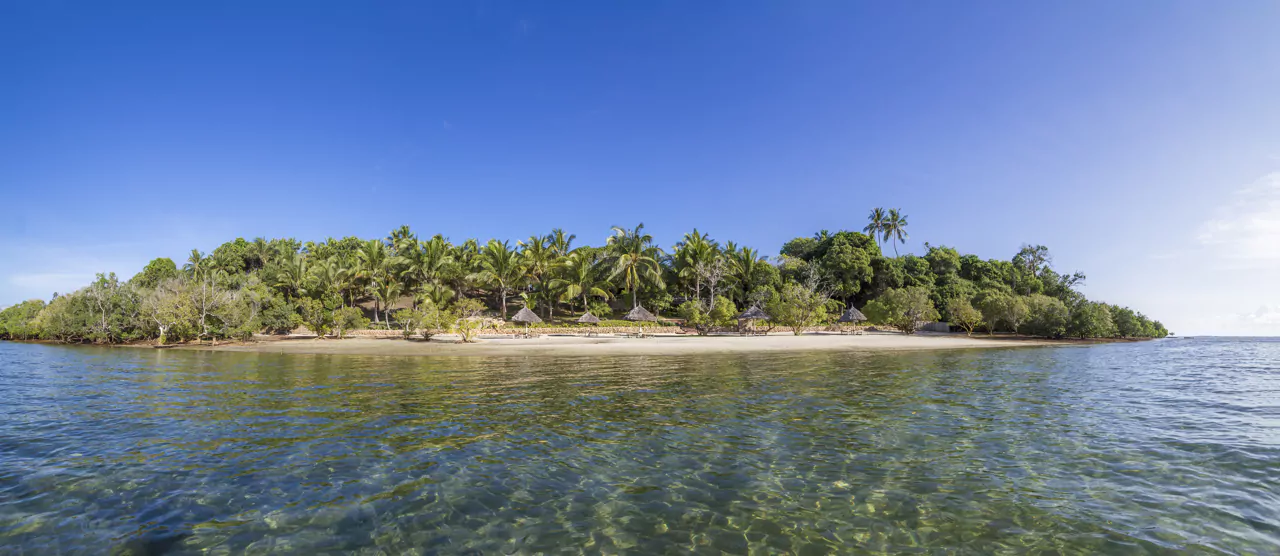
{"x":1139,"y":140}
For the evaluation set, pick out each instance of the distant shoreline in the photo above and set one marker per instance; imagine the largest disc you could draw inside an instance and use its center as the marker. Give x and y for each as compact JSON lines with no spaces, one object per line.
{"x":658,"y":345}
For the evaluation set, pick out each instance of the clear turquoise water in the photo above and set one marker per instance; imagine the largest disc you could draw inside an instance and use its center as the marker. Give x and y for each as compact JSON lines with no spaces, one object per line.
{"x":1123,"y":449}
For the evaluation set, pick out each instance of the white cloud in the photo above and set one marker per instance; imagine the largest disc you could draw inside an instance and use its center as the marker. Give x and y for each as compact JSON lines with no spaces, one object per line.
{"x":1245,"y":231}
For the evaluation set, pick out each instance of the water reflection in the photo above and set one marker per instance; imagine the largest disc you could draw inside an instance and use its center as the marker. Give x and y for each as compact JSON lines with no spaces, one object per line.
{"x":1118,"y":449}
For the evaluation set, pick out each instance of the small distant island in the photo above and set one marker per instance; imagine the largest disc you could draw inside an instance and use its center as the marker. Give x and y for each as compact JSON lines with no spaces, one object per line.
{"x":423,"y":287}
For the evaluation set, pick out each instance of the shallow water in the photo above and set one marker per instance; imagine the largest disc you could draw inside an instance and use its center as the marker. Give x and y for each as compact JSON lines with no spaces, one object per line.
{"x":1123,"y":449}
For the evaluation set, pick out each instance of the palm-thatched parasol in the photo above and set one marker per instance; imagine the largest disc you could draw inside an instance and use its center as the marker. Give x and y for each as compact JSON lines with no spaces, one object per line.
{"x":640,"y":314}
{"x":588,"y":318}
{"x":527,"y":317}
{"x":853,"y":315}
{"x":754,"y":313}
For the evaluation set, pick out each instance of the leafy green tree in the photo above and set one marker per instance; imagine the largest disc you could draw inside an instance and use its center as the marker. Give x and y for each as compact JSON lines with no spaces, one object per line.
{"x":279,"y":315}
{"x":963,"y":314}
{"x":435,"y":319}
{"x":1127,"y":323}
{"x":799,"y":306}
{"x":315,"y":316}
{"x":468,"y":319}
{"x":18,"y":322}
{"x":1046,"y":316}
{"x":1001,"y":308}
{"x":346,"y":319}
{"x":1091,"y":320}
{"x":721,"y":314}
{"x":904,"y":309}
{"x":156,"y":271}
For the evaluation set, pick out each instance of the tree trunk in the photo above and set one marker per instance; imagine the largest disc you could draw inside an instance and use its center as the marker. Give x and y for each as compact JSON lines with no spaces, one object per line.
{"x":503,"y":293}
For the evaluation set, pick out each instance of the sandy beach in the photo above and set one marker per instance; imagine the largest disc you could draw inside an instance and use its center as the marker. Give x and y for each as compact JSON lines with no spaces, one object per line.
{"x":654,"y":345}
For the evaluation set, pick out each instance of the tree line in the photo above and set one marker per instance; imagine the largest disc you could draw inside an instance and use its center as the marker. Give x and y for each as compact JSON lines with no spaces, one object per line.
{"x":407,"y":282}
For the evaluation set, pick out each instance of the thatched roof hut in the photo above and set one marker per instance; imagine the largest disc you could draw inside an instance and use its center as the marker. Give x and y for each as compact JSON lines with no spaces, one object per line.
{"x":754,"y":313}
{"x":853,"y":315}
{"x":526,"y":316}
{"x":640,"y":314}
{"x":588,"y":318}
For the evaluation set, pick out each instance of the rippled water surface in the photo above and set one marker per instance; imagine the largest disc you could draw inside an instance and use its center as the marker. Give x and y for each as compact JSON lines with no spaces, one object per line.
{"x":1124,"y":449}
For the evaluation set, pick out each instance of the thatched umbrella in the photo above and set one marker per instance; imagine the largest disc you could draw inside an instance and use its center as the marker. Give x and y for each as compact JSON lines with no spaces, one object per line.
{"x":753,"y":314}
{"x":527,"y":317}
{"x":588,"y":318}
{"x":640,"y":314}
{"x":853,"y":315}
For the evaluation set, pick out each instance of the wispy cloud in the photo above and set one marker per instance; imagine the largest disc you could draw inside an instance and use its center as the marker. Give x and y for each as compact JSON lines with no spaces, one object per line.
{"x":1246,"y":229}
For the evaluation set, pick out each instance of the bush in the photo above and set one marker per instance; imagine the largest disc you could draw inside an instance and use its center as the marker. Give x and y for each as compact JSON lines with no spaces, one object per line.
{"x":347,"y":319}
{"x":279,"y":316}
{"x":902,"y":308}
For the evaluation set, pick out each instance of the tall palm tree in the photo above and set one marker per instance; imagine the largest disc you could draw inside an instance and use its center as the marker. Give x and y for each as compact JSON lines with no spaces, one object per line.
{"x":425,"y":264}
{"x":386,"y":291}
{"x":373,"y":263}
{"x":402,"y":239}
{"x":746,"y":266}
{"x":561,"y":243}
{"x":582,"y":277}
{"x":326,"y":277}
{"x":538,"y":258}
{"x":292,"y":277}
{"x":197,"y":263}
{"x":875,"y":224}
{"x":500,"y":267}
{"x":895,"y":228}
{"x":635,"y":259}
{"x":691,"y":255}
{"x":259,"y":253}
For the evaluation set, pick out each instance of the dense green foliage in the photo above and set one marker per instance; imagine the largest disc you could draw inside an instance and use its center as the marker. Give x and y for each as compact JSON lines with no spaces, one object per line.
{"x":427,"y":286}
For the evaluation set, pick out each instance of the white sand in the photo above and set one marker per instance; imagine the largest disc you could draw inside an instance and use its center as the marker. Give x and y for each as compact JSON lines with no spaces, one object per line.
{"x":656,"y":345}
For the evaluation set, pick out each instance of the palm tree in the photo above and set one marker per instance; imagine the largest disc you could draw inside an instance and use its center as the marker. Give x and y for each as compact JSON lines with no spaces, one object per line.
{"x":373,"y":262}
{"x":582,"y":277}
{"x":386,"y":291}
{"x":197,"y":263}
{"x":501,"y":268}
{"x":425,"y":264}
{"x":746,"y":266}
{"x":539,"y":258}
{"x":692,"y":253}
{"x":895,"y":228}
{"x":875,"y":224}
{"x":561,"y":242}
{"x":402,"y":239}
{"x":327,"y":277}
{"x":259,"y":253}
{"x":635,"y":259}
{"x":293,"y":276}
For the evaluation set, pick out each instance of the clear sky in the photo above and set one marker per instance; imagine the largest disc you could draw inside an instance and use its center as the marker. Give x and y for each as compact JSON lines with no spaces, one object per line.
{"x":1139,"y":140}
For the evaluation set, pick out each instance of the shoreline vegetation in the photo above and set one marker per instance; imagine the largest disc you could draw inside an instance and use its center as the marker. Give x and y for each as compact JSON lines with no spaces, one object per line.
{"x":425,"y":288}
{"x":665,"y":344}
